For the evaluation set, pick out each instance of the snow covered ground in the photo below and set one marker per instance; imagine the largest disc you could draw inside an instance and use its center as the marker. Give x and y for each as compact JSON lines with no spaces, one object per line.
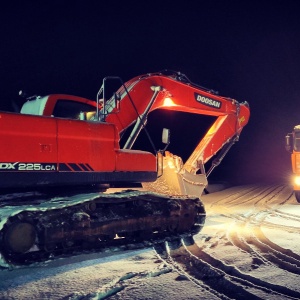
{"x":248,"y":249}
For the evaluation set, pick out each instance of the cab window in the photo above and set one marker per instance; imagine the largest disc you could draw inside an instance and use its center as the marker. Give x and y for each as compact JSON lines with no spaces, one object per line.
{"x":297,"y":141}
{"x":73,"y":110}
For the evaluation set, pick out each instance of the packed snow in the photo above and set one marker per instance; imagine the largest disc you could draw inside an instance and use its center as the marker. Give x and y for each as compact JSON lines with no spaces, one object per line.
{"x":248,"y":249}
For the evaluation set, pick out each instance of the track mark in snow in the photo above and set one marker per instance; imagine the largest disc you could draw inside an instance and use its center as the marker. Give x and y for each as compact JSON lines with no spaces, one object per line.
{"x":248,"y":208}
{"x":246,"y":233}
{"x":226,"y":280}
{"x":223,"y":281}
{"x":273,"y":253}
{"x":235,"y":195}
{"x":239,"y":242}
{"x":194,"y":275}
{"x":118,"y":285}
{"x":261,"y":195}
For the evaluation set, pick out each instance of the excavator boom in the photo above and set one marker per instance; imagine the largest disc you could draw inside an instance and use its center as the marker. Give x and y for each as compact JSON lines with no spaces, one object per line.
{"x":144,"y":94}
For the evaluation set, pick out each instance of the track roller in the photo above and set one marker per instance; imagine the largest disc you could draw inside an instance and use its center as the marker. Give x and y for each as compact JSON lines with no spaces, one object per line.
{"x":19,"y":237}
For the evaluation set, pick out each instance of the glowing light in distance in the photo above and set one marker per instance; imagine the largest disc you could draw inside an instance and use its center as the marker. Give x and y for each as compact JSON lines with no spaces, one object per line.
{"x":297,"y":180}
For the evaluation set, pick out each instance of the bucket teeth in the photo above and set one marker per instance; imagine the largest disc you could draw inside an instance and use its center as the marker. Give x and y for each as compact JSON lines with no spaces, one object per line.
{"x":188,"y":240}
{"x":175,"y":244}
{"x":161,"y":249}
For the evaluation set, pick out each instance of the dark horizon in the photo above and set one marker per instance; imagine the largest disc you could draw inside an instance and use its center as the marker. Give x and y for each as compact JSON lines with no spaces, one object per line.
{"x":247,"y":51}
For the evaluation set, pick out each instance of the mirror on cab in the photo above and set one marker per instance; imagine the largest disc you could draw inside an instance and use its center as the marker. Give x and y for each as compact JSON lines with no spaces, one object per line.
{"x":288,"y":142}
{"x":166,"y":137}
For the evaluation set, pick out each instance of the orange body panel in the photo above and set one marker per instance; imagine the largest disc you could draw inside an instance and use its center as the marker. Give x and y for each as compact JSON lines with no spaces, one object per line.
{"x":27,"y":138}
{"x":38,"y":150}
{"x":295,"y":159}
{"x":87,"y":142}
{"x":138,"y":160}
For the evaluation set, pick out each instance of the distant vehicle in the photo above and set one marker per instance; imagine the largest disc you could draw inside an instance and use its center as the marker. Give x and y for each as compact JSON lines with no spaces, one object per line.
{"x":292,"y":145}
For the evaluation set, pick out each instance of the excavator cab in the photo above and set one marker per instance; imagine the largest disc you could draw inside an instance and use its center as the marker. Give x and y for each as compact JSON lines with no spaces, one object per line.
{"x":292,"y":140}
{"x":297,"y":139}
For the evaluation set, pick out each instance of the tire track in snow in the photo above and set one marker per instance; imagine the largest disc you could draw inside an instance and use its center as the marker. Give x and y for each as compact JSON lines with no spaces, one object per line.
{"x":258,"y":195}
{"x":249,"y":237}
{"x":284,"y":259}
{"x":246,"y":194}
{"x":246,"y":234}
{"x":195,"y":275}
{"x":252,"y":240}
{"x":117,"y":285}
{"x":225,"y":281}
{"x":235,"y":195}
{"x":244,"y":279}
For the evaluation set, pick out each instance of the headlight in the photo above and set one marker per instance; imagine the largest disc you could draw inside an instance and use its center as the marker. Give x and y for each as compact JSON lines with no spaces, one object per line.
{"x":297,"y":180}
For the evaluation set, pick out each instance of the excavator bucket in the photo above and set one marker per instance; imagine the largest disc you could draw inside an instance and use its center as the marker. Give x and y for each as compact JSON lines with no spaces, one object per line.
{"x":175,"y":180}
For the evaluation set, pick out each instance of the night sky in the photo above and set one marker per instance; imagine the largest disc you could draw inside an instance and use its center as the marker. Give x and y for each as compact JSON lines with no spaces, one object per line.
{"x":246,"y":50}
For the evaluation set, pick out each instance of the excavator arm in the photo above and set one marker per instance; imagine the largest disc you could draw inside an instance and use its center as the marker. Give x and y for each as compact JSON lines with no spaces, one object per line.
{"x":144,"y":94}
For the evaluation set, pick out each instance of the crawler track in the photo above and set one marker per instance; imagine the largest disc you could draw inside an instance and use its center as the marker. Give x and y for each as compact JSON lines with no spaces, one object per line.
{"x":39,"y":229}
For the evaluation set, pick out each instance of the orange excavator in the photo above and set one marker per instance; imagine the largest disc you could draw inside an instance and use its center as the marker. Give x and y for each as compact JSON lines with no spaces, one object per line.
{"x":60,"y":148}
